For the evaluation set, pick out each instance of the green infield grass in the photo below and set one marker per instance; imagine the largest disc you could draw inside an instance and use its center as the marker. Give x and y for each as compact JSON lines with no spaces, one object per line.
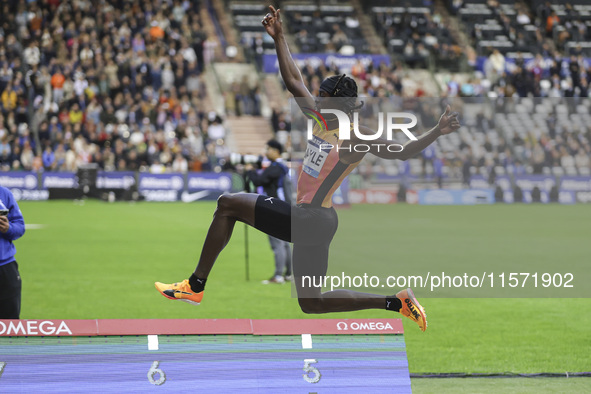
{"x":98,"y":260}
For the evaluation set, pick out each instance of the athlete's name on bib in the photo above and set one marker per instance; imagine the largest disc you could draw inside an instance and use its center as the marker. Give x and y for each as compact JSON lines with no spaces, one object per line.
{"x":315,"y":157}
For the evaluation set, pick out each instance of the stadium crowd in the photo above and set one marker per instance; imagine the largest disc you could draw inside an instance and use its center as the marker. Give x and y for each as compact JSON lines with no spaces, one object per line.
{"x":552,"y":77}
{"x":486,"y":146}
{"x":121,"y":85}
{"x":117,"y":83}
{"x":536,"y":50}
{"x":417,"y":35}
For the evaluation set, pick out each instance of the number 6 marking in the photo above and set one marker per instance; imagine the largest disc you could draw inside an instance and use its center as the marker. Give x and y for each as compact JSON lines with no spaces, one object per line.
{"x":308,"y":369}
{"x":155,"y":370}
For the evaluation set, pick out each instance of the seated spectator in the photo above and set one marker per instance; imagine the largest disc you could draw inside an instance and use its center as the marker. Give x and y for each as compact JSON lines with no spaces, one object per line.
{"x":9,"y":99}
{"x":48,"y":159}
{"x":339,"y":38}
{"x":180,"y":164}
{"x":75,"y":115}
{"x":522,"y":17}
{"x":215,"y":130}
{"x":495,"y":66}
{"x":551,"y":21}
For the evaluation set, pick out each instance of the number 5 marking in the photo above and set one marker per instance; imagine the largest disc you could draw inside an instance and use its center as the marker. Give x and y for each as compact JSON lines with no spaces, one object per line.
{"x":155,"y":370}
{"x":308,"y":369}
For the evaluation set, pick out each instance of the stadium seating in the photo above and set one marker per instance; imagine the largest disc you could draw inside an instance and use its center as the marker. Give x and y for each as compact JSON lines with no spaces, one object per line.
{"x":121,"y":86}
{"x":247,"y":19}
{"x":324,"y":27}
{"x":500,"y":25}
{"x":75,"y":88}
{"x":571,"y":33}
{"x":413,"y":34}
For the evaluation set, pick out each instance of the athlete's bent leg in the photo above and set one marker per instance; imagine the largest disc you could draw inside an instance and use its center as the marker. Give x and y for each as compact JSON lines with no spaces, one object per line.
{"x":310,"y":267}
{"x":272,"y":217}
{"x":312,"y":300}
{"x":230,"y":208}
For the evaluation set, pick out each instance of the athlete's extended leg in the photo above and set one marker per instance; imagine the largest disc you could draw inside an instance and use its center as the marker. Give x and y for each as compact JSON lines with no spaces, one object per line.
{"x":312,"y":300}
{"x":310,"y":263}
{"x":314,"y":259}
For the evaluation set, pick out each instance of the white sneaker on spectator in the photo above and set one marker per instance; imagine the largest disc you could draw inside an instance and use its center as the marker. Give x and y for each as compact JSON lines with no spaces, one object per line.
{"x":274,"y":279}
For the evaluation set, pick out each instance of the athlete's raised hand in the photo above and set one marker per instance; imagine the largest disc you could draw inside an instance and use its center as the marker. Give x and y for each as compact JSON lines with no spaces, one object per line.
{"x":272,"y":22}
{"x":449,"y":121}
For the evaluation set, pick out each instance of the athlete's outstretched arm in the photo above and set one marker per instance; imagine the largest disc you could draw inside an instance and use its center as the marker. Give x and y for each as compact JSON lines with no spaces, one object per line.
{"x":448,"y":123}
{"x":289,"y":70}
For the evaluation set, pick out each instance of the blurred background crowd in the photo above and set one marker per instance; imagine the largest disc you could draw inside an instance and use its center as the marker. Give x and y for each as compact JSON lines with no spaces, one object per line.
{"x":125,"y":84}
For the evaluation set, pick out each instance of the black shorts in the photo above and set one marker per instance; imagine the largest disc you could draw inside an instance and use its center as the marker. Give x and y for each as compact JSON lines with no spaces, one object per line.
{"x":310,"y":229}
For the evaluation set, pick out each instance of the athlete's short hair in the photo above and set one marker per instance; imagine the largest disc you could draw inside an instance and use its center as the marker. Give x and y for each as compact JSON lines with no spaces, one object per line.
{"x":339,"y":86}
{"x":342,"y":86}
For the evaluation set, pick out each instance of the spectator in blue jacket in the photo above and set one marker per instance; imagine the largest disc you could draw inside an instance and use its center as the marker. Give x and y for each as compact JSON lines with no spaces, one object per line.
{"x":12,"y":227}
